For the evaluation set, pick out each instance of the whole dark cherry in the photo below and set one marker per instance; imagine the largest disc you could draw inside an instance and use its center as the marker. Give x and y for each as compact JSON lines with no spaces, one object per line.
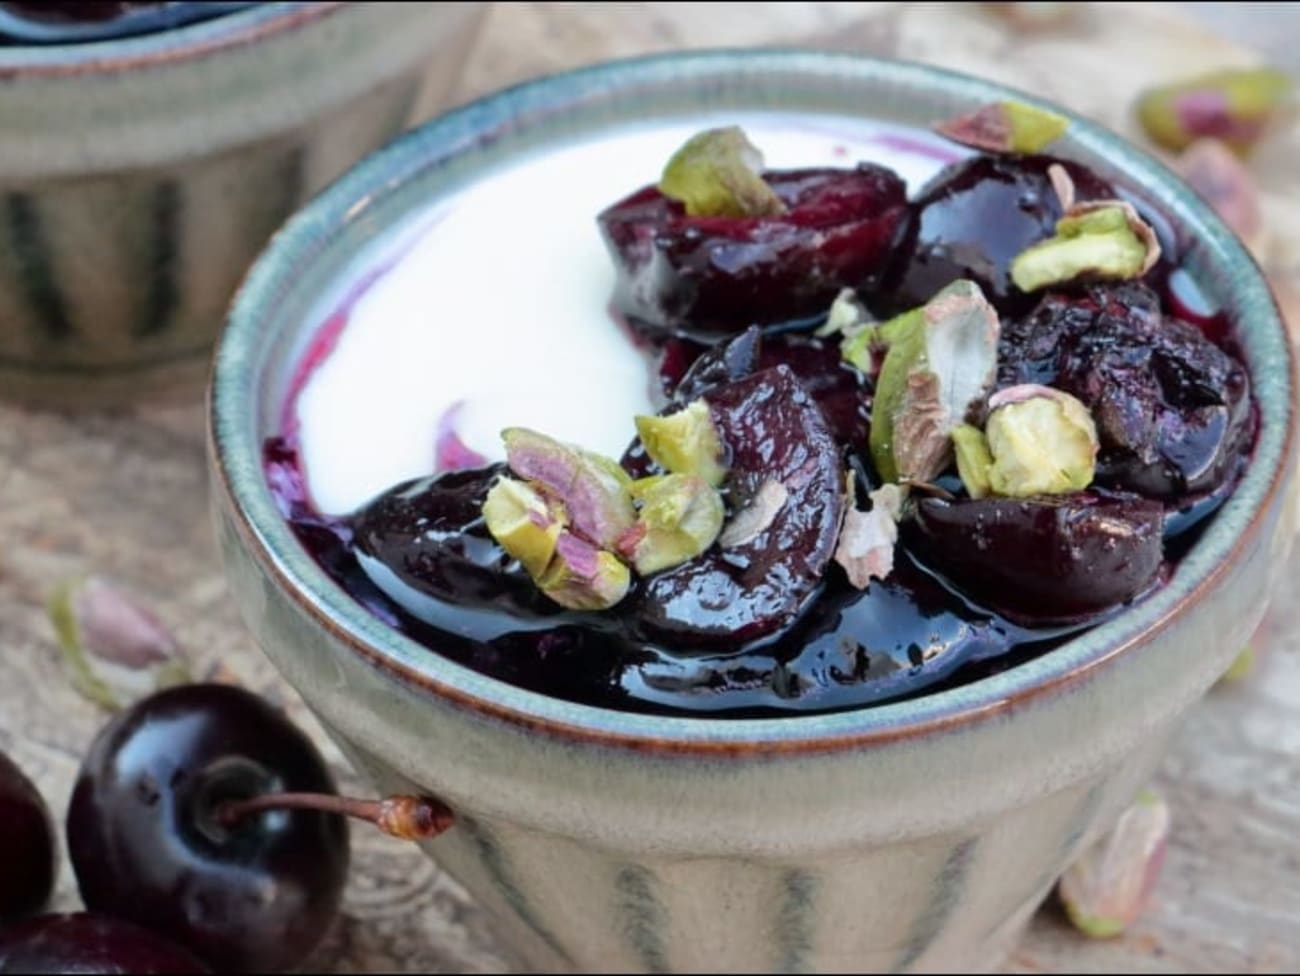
{"x":26,"y":844}
{"x":149,"y":842}
{"x":86,"y":943}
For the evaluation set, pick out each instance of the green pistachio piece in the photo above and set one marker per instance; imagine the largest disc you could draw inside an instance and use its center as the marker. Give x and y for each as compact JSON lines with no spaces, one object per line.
{"x":1098,"y":239}
{"x":1005,"y":127}
{"x":582,"y":577}
{"x":1237,"y":106}
{"x":681,"y":516}
{"x":847,"y":316}
{"x":1106,"y":889}
{"x":973,"y":459}
{"x":115,"y":651}
{"x":942,"y":359}
{"x":1240,"y":667}
{"x":718,"y":173}
{"x":1043,"y":442}
{"x":593,"y":489}
{"x":685,"y":442}
{"x":520,"y":519}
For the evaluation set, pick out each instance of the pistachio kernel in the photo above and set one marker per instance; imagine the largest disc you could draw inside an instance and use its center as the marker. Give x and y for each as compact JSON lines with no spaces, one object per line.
{"x":522,"y":522}
{"x":582,"y":577}
{"x":685,"y":442}
{"x":1101,"y":239}
{"x":1043,"y":442}
{"x":718,"y":173}
{"x":973,"y":460}
{"x":681,"y":516}
{"x":1237,"y":106}
{"x":847,"y":316}
{"x":942,"y":360}
{"x":592,"y":489}
{"x":1005,"y":127}
{"x":1106,"y":889}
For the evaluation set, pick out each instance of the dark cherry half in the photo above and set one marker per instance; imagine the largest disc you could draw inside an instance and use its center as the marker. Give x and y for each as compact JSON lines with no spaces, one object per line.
{"x":27,"y":858}
{"x":86,"y":943}
{"x":1056,"y":559}
{"x":709,"y":277}
{"x":773,"y":432}
{"x":973,"y":217}
{"x":149,"y":843}
{"x":1172,"y":409}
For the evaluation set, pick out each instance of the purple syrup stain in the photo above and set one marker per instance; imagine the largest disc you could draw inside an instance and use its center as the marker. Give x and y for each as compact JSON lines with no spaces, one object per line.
{"x":450,"y":452}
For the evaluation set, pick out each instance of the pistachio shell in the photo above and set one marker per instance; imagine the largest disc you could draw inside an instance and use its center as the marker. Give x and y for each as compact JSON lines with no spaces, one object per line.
{"x":1106,"y":889}
{"x":681,"y":516}
{"x":582,"y":577}
{"x":941,"y":361}
{"x":685,"y":442}
{"x":973,"y":460}
{"x":717,"y":173}
{"x":521,"y":521}
{"x":1006,"y":127}
{"x":1098,"y":239}
{"x":1043,"y":442}
{"x":116,"y":652}
{"x":593,"y":489}
{"x":1236,"y":106}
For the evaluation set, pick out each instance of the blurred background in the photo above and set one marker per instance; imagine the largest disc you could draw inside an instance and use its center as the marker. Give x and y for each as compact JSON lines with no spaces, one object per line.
{"x":123,"y":493}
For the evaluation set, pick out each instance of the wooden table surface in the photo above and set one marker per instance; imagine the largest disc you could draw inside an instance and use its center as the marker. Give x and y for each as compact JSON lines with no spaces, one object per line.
{"x":125,"y":495}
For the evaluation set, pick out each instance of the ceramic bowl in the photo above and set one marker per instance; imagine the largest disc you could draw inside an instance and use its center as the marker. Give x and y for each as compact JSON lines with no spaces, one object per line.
{"x":914,"y":836}
{"x":139,"y":177}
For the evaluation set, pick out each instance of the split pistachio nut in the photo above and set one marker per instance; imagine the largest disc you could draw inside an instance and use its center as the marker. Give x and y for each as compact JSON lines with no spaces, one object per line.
{"x":116,"y":652}
{"x":1102,"y":239}
{"x":718,"y":173}
{"x":583,"y":577}
{"x":1106,"y":890}
{"x":1237,"y":106}
{"x":592,"y":489}
{"x":941,"y":362}
{"x":1042,"y":441}
{"x":681,"y":516}
{"x":1005,"y":127}
{"x":523,"y":523}
{"x":686,"y":442}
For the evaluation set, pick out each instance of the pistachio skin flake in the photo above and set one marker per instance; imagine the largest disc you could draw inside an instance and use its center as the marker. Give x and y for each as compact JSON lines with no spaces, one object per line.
{"x":1107,"y":888}
{"x":940,"y":364}
{"x":115,"y":650}
{"x":582,"y":577}
{"x":522,"y":522}
{"x":1043,"y":442}
{"x":718,"y":173}
{"x":592,"y":489}
{"x":1005,"y":127}
{"x":685,"y":442}
{"x":1236,"y":106}
{"x":681,"y":516}
{"x":1095,"y":240}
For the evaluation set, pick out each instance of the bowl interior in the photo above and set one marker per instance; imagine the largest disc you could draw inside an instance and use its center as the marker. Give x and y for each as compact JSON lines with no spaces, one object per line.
{"x":275,"y":314}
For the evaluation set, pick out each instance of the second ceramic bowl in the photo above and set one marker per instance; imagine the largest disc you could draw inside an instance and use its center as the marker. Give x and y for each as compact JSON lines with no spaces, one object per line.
{"x":912,"y":836}
{"x":139,"y":177}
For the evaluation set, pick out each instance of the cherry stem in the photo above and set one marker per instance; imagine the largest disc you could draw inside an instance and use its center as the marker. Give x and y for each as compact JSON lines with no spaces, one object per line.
{"x":403,"y":817}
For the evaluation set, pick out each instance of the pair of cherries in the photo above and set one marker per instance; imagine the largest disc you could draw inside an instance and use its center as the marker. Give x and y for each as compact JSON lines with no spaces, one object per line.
{"x":204,"y":830}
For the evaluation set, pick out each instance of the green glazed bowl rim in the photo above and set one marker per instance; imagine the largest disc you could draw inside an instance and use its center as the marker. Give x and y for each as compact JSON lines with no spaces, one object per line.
{"x":158,"y":48}
{"x":237,"y":450}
